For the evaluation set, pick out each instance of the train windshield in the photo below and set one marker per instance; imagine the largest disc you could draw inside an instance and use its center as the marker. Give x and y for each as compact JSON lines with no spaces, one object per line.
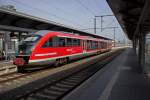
{"x":26,"y":45}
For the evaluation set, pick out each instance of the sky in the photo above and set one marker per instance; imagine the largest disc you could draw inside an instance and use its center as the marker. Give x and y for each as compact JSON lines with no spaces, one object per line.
{"x":74,"y":13}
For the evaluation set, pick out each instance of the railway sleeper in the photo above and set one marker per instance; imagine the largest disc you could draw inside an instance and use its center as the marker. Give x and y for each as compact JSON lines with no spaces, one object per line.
{"x":52,"y":92}
{"x":64,"y":85}
{"x":39,"y":96}
{"x":68,"y":83}
{"x":57,"y":88}
{"x":74,"y":81}
{"x":77,"y":78}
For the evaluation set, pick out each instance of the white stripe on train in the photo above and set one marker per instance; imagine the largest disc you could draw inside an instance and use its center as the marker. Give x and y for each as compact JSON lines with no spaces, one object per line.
{"x":46,"y":54}
{"x":46,"y":59}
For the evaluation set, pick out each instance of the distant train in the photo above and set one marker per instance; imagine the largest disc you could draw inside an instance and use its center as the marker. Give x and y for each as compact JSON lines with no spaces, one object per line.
{"x":47,"y":47}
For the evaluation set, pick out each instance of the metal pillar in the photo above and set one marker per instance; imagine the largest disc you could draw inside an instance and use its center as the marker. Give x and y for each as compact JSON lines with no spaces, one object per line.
{"x":142,"y":50}
{"x":19,"y":36}
{"x":95,"y":25}
{"x":114,"y":37}
{"x":134,"y":44}
{"x":101,"y":23}
{"x":6,"y":44}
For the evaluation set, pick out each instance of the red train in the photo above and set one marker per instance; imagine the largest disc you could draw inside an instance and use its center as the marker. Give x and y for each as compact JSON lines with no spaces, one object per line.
{"x":47,"y":47}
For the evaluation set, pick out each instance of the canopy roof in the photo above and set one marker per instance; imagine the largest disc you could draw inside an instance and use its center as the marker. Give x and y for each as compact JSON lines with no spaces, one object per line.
{"x":17,"y":21}
{"x":133,"y":15}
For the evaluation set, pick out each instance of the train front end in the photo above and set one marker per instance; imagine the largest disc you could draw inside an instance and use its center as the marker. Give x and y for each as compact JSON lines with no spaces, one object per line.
{"x":26,"y":47}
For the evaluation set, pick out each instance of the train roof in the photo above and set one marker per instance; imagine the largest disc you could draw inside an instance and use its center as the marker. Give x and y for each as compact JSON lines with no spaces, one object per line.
{"x":67,"y":34}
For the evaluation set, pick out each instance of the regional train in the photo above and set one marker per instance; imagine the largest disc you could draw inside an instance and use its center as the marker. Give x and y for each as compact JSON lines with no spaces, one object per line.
{"x":52,"y":47}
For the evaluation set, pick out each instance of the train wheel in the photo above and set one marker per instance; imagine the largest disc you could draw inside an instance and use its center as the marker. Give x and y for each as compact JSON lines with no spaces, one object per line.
{"x":57,"y":63}
{"x":65,"y":60}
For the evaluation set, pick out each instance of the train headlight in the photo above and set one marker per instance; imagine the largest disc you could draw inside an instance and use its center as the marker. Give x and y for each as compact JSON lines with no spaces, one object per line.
{"x":21,"y":52}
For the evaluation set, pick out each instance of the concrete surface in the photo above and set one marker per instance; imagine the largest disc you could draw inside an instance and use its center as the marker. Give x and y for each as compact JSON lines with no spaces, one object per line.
{"x":122,"y":79}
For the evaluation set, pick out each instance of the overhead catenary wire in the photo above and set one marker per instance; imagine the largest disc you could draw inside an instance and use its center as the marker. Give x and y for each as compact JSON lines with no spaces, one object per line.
{"x":89,"y":10}
{"x":64,"y":11}
{"x":109,"y":24}
{"x":45,"y":12}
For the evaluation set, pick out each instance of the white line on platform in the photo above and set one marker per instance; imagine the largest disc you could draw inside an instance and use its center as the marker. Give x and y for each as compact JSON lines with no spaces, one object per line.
{"x":107,"y":91}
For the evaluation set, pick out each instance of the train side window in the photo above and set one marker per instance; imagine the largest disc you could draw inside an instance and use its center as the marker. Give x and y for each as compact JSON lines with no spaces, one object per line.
{"x":102,"y":45}
{"x":99,"y":45}
{"x":69,"y":42}
{"x":55,"y":41}
{"x":93,"y":45}
{"x":76,"y":42}
{"x":62,"y":42}
{"x":96,"y":44}
{"x":48,"y":43}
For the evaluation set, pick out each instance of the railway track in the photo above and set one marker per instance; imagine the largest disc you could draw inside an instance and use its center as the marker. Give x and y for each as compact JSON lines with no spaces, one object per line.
{"x":15,"y":76}
{"x":59,"y":88}
{"x":14,"y":80}
{"x":10,"y":77}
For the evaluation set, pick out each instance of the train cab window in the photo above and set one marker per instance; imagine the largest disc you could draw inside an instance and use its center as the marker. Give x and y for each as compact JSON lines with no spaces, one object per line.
{"x":33,"y":38}
{"x":28,"y":43}
{"x":48,"y":43}
{"x":30,"y":39}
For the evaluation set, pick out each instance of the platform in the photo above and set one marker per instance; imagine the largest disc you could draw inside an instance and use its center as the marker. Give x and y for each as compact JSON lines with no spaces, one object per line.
{"x":7,"y":67}
{"x":122,"y":79}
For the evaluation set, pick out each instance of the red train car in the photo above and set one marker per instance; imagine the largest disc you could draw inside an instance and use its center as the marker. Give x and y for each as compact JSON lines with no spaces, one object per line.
{"x":47,"y":47}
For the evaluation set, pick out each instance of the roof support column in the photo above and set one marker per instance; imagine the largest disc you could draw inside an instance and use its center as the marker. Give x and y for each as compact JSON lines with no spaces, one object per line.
{"x":19,"y":36}
{"x":6,"y":44}
{"x":141,"y":47}
{"x":134,"y":43}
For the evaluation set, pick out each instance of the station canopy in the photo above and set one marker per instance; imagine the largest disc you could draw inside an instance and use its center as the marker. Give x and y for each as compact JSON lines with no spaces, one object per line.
{"x":16,"y":21}
{"x":133,"y":16}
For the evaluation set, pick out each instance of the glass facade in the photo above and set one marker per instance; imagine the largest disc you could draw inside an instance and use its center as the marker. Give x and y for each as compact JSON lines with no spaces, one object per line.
{"x":1,"y":44}
{"x":147,"y":53}
{"x":12,"y":46}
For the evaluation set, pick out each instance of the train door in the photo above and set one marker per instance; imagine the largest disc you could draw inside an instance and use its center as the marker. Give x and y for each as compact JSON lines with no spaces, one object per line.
{"x":84,"y":46}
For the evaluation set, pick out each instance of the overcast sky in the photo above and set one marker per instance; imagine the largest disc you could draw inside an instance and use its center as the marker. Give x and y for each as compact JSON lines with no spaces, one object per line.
{"x":75,"y":13}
